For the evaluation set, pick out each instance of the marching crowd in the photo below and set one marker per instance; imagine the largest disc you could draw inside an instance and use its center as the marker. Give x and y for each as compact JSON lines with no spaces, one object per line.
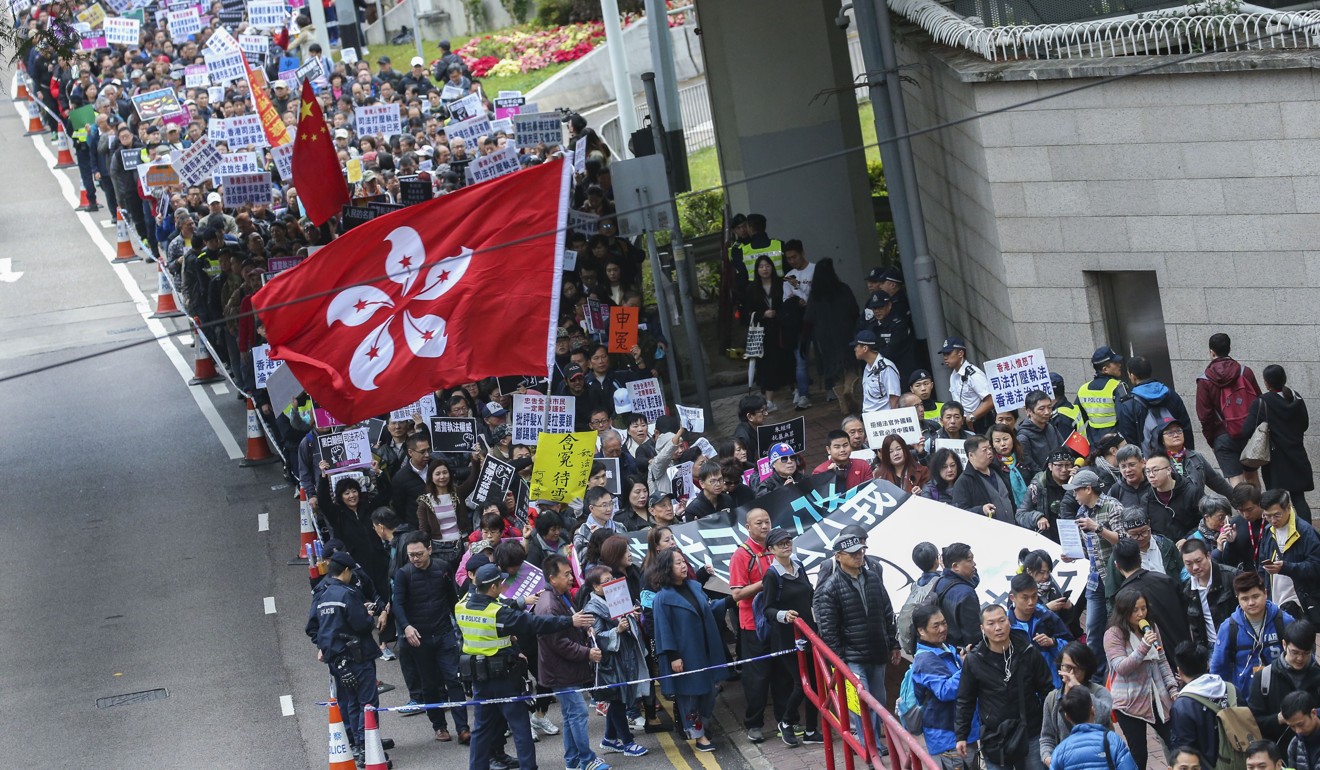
{"x":1198,"y":620}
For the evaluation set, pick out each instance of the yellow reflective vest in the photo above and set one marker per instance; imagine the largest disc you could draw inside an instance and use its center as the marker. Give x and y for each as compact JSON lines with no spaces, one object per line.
{"x":775,"y":251}
{"x":1098,"y":403}
{"x":481,"y":634}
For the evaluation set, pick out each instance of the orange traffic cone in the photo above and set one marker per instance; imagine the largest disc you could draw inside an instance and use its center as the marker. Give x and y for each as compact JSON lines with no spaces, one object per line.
{"x":124,"y":251}
{"x":375,"y":752}
{"x":83,"y":203}
{"x":341,"y":756}
{"x":203,"y":365}
{"x":35,"y":125}
{"x":308,"y":534}
{"x":258,"y":451}
{"x":166,"y":307}
{"x":64,"y":150}
{"x":22,"y":94}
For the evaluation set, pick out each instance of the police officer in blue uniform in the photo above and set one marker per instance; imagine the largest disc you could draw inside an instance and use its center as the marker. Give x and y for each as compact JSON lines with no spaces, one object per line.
{"x":492,"y":663}
{"x":340,"y":627}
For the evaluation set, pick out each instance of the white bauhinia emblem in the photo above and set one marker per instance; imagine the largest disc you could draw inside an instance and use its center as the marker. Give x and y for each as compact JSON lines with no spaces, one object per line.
{"x":423,"y":332}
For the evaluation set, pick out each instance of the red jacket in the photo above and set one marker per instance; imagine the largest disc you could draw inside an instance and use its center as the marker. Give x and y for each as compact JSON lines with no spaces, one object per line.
{"x":859,"y":472}
{"x":1220,"y":374}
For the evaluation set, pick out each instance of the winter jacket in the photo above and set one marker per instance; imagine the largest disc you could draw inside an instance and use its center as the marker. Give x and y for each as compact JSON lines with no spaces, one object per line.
{"x":623,"y":654}
{"x":1283,"y":679}
{"x":1134,"y":680}
{"x":1285,"y":411}
{"x":1169,"y":559}
{"x":1042,"y":501}
{"x":1304,"y":753}
{"x":1132,"y":498}
{"x":1201,"y":474}
{"x":982,"y":685}
{"x":563,"y":655}
{"x":1083,"y":750}
{"x":961,"y":608}
{"x":688,"y":633}
{"x":1177,"y":518}
{"x":776,"y":482}
{"x":1241,"y":551}
{"x":1193,"y":723}
{"x":425,"y":599}
{"x":1054,"y":728}
{"x":1236,"y":660}
{"x":970,"y":493}
{"x":1133,"y":409}
{"x":936,"y":674}
{"x":1300,"y":554}
{"x":1164,"y":604}
{"x":1038,"y":443}
{"x":1221,"y":374}
{"x":1044,"y":621}
{"x":1222,"y":601}
{"x":859,"y":628}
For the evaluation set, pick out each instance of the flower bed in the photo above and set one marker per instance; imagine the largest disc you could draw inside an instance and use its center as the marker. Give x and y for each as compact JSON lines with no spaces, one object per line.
{"x":530,"y":49}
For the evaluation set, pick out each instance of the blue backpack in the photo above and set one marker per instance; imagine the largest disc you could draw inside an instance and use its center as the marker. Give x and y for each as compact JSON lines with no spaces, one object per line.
{"x":908,"y":707}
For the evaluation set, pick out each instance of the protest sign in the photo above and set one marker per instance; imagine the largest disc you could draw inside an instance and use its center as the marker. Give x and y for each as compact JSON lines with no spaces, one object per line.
{"x":154,"y":104}
{"x":424,"y":406}
{"x":597,"y":317}
{"x":582,"y":222}
{"x":646,"y":398}
{"x":282,"y":154}
{"x":246,"y":131}
{"x":414,"y":191}
{"x":265,"y":14}
{"x":528,"y":581}
{"x":220,"y":42}
{"x":467,"y":107}
{"x":217,"y":130}
{"x":377,"y":119}
{"x":235,"y":163}
{"x":244,"y":189}
{"x":570,"y":260}
{"x":617,"y":598}
{"x":352,"y":216}
{"x":522,"y":502}
{"x":215,"y":93}
{"x":453,"y":434}
{"x":903,"y":420}
{"x":562,"y":465}
{"x":93,"y":43}
{"x":225,"y":67}
{"x":310,"y":70}
{"x":253,"y":44}
{"x":532,"y":129}
{"x":534,"y":415}
{"x":623,"y":328}
{"x":263,"y":365}
{"x":231,"y":12}
{"x":560,"y":414}
{"x":494,"y":165}
{"x":130,"y":158}
{"x":793,"y":433}
{"x":93,"y":16}
{"x":495,"y":479}
{"x":468,"y":130}
{"x":196,"y":76}
{"x":159,"y":175}
{"x":1013,"y":377}
{"x":692,"y":418}
{"x":120,"y":30}
{"x":613,"y":478}
{"x":348,"y":56}
{"x":282,"y":387}
{"x":197,"y":162}
{"x":184,"y":22}
{"x":954,"y":445}
{"x":347,"y":450}
{"x":450,"y":93}
{"x":280,"y":264}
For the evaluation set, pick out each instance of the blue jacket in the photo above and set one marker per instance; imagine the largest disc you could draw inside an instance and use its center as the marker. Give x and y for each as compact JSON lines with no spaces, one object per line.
{"x":1083,"y":750}
{"x":690,"y":634}
{"x":936,"y":672}
{"x":1248,"y":653}
{"x":1044,"y":621}
{"x":1132,"y":412}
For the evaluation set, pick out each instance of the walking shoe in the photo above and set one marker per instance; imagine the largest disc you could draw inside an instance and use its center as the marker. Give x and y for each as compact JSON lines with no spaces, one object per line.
{"x":464,"y":736}
{"x":771,"y":406}
{"x":410,"y":709}
{"x":786,"y":734}
{"x":636,"y":750}
{"x":502,"y":763}
{"x":813,"y":736}
{"x":707,"y":746}
{"x":596,"y":764}
{"x":755,"y":735}
{"x":801,"y":402}
{"x":443,"y":735}
{"x":545,"y":725}
{"x":638,"y":722}
{"x":613,"y":745}
{"x":386,"y":653}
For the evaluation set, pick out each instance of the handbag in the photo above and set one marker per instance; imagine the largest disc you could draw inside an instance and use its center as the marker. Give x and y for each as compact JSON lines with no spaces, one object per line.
{"x":755,"y":347}
{"x":1256,"y":454}
{"x":1006,"y":743}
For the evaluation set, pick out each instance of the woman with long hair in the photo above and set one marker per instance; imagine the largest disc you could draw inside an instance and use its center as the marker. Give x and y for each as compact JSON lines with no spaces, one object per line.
{"x":1142,"y":683}
{"x":831,"y":315}
{"x":769,"y":299}
{"x":441,"y":512}
{"x":945,"y":468}
{"x":1010,"y":455}
{"x":623,"y":660}
{"x":898,"y":464}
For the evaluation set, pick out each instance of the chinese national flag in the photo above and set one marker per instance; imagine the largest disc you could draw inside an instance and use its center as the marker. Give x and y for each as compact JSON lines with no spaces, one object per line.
{"x":461,"y":287}
{"x":1078,"y":444}
{"x":321,"y":187}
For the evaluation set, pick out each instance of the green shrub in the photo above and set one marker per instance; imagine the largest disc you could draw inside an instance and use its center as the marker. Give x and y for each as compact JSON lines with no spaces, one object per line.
{"x":554,"y":13}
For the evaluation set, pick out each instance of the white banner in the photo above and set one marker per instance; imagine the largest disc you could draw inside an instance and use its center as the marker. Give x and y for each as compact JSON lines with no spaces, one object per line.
{"x":266,"y":14}
{"x":691,"y":418}
{"x":382,"y":119}
{"x":196,"y":76}
{"x":904,"y":421}
{"x":235,"y":163}
{"x":241,"y":189}
{"x":282,"y":154}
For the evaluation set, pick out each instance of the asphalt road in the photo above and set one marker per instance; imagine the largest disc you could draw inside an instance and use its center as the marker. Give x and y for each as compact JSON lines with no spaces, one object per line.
{"x":138,"y":556}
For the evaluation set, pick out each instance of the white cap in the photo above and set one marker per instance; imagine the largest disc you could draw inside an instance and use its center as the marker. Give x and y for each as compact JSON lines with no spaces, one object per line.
{"x":213,"y":198}
{"x":622,"y":403}
{"x":418,"y":61}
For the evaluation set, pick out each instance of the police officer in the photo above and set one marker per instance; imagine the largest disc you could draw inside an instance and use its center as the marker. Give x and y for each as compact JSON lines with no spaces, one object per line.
{"x":880,"y":388}
{"x":922,"y":383}
{"x":86,"y":157}
{"x":340,"y":627}
{"x":1067,"y":416}
{"x":492,"y":663}
{"x":892,"y":332}
{"x":890,"y":281}
{"x":758,"y":243}
{"x":1099,"y":398}
{"x":968,"y":385}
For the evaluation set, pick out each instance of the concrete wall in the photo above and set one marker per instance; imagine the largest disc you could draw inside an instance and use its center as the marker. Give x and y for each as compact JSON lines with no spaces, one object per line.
{"x":1209,"y":176}
{"x":454,"y":25}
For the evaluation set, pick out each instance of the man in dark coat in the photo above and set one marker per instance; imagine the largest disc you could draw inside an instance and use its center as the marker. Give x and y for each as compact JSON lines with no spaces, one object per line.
{"x":1209,"y":585}
{"x":956,"y":594}
{"x":1160,"y":591}
{"x":423,"y":602}
{"x":983,"y":488}
{"x":410,"y":481}
{"x":1295,"y":669}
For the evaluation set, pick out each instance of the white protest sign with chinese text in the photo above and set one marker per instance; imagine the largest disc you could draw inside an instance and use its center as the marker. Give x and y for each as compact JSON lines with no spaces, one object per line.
{"x":468,"y":130}
{"x":242,"y":189}
{"x":267,"y":15}
{"x":494,"y":165}
{"x":196,"y":76}
{"x":535,"y":128}
{"x":184,"y":22}
{"x":1013,"y":377}
{"x":197,"y":162}
{"x":263,"y":365}
{"x":692,"y":418}
{"x":903,"y":420}
{"x":245,"y":131}
{"x":376,"y":119}
{"x":646,"y":398}
{"x":226,"y":67}
{"x":120,"y":30}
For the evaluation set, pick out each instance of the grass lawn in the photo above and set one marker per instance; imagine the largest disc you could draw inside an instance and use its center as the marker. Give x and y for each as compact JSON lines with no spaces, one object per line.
{"x":400,"y":55}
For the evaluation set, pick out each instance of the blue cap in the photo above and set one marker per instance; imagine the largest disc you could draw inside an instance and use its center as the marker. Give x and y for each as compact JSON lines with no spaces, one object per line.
{"x":953,"y":343}
{"x":865,"y":337}
{"x":878,"y":300}
{"x":488,"y":574}
{"x":1105,"y":355}
{"x":780,"y":451}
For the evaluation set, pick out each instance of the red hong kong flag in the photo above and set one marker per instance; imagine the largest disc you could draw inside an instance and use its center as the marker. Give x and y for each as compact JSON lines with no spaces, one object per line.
{"x":461,"y":287}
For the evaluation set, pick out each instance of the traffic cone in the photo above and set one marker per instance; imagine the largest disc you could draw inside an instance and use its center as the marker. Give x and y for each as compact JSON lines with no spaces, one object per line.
{"x":166,"y":307}
{"x":22,"y":94}
{"x":64,"y":150}
{"x":35,"y":125}
{"x":124,"y":251}
{"x":307,"y":537}
{"x":203,"y":365}
{"x":375,"y":752}
{"x":83,"y":203}
{"x":341,"y":756}
{"x":258,"y":451}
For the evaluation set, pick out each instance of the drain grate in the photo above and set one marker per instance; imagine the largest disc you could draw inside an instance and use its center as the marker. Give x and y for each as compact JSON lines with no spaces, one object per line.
{"x":133,"y":697}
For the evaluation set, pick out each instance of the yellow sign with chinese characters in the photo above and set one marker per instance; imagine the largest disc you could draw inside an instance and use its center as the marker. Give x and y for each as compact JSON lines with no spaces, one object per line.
{"x":563,"y":463}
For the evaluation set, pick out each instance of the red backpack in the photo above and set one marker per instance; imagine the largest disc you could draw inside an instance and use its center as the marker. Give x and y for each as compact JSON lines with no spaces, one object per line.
{"x":1235,"y":403}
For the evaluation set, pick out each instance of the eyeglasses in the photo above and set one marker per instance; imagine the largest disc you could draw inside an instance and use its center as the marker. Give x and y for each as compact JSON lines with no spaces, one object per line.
{"x":1156,"y":471}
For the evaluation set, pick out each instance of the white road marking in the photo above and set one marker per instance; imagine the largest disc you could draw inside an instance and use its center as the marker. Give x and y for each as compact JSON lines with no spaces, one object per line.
{"x":220,"y":389}
{"x":143,"y":307}
{"x":270,"y":605}
{"x":185,"y":340}
{"x":286,"y":705}
{"x":7,"y":273}
{"x":263,"y":522}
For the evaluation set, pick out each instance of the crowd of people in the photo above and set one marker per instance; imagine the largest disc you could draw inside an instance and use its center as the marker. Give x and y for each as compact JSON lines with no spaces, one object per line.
{"x":1204,"y":589}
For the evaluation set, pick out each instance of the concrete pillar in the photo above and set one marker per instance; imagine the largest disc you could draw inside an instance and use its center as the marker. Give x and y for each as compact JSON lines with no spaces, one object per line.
{"x":771,"y":65}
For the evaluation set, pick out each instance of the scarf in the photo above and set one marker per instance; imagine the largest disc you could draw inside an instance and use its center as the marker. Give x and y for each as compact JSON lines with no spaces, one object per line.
{"x":1287,"y":535}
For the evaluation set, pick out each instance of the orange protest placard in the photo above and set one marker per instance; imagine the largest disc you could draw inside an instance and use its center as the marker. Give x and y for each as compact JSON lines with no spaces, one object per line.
{"x":623,"y":329}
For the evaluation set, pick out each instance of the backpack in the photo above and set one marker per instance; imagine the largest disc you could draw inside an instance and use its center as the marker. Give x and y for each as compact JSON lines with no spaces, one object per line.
{"x":1233,"y":642}
{"x":907,"y":635}
{"x":1151,"y":428}
{"x":1236,"y":727}
{"x":908,"y":707}
{"x":1235,"y":403}
{"x":758,"y":601}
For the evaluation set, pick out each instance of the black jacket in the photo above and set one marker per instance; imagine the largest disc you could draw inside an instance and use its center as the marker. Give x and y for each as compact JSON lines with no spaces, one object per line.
{"x":1285,"y":411}
{"x":1165,"y":602}
{"x":1178,"y":518}
{"x":337,"y":617}
{"x":1284,"y":679}
{"x":982,"y":685}
{"x":406,"y":486}
{"x":970,"y":493}
{"x":425,"y":599}
{"x":1241,"y":553}
{"x":357,"y":533}
{"x":961,"y":608}
{"x":1222,"y":601}
{"x":859,"y":630}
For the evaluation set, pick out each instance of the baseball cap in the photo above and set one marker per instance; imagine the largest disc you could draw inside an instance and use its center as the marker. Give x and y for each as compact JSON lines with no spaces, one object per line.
{"x":281,"y":84}
{"x":426,"y":151}
{"x":488,"y":575}
{"x":561,"y":333}
{"x":418,"y":61}
{"x":1170,"y":422}
{"x":476,"y":561}
{"x":1105,"y":355}
{"x":214,"y":198}
{"x":1134,"y":517}
{"x":918,"y":376}
{"x":153,"y":129}
{"x":849,"y":544}
{"x":865,"y":337}
{"x":780,"y":451}
{"x":953,"y":343}
{"x":493,"y":409}
{"x":1087,"y":479}
{"x":572,"y":371}
{"x":343,"y":560}
{"x":876,"y":275}
{"x":1056,"y":381}
{"x":341,"y":133}
{"x":737,"y":220}
{"x":777,"y":536}
{"x":659,"y":497}
{"x":383,"y":60}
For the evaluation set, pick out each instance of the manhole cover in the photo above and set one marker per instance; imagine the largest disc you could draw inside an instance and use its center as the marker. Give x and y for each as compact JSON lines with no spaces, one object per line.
{"x":131,"y":698}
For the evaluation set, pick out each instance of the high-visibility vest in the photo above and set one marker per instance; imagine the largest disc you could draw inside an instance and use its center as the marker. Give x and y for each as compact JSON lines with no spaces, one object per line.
{"x":1101,"y":411}
{"x":1074,"y":413}
{"x":481,"y":635}
{"x":774,"y":251}
{"x":933,"y":414}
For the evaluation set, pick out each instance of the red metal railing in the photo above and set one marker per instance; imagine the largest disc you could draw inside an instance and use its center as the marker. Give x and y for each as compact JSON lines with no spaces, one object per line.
{"x":825,"y":680}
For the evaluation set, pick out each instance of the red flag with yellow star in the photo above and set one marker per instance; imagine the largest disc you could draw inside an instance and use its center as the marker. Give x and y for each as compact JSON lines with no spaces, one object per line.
{"x":322,"y":190}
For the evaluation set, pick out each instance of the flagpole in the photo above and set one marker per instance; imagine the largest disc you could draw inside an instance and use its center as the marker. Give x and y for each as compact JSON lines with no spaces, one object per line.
{"x":556,"y":279}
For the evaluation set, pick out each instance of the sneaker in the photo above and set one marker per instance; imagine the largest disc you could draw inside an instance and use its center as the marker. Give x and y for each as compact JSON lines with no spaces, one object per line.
{"x":812,"y":736}
{"x":830,"y":396}
{"x":596,"y":764}
{"x":638,"y":722}
{"x":612,"y":745}
{"x":771,"y":406}
{"x":755,"y":735}
{"x":410,"y":709}
{"x":387,"y":654}
{"x":786,"y":734}
{"x":502,"y":763}
{"x":801,"y":402}
{"x":707,"y":746}
{"x":635,"y":750}
{"x":545,"y":725}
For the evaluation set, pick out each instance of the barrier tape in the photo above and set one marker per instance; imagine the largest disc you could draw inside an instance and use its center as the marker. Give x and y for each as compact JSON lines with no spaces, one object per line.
{"x":593,"y":688}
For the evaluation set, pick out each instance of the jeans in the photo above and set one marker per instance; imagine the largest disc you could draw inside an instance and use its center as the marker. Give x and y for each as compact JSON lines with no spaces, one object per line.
{"x":801,"y":373}
{"x":616,"y":723}
{"x":1031,"y":761}
{"x":577,"y":744}
{"x":872,"y":676}
{"x":696,"y":711}
{"x":1096,"y":620}
{"x":437,"y":664}
{"x":490,"y":720}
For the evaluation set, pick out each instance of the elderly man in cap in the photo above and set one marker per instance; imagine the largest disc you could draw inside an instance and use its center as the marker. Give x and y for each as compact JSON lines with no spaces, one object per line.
{"x":880,"y":383}
{"x":1099,"y":398}
{"x":215,"y":207}
{"x":968,"y":385}
{"x":417,"y":78}
{"x":340,"y":627}
{"x":856,"y":619}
